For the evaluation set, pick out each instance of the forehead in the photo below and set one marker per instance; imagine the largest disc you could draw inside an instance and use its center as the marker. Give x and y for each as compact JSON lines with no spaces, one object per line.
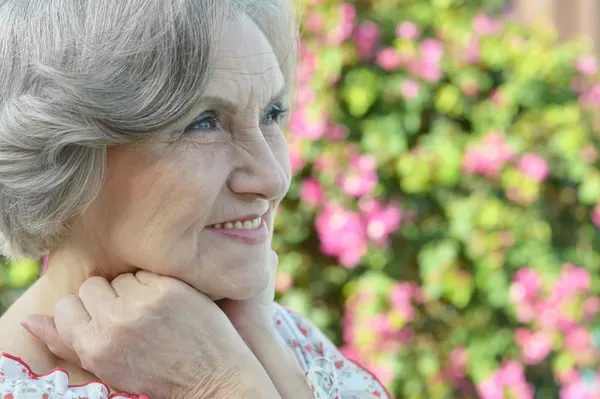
{"x":245,"y":64}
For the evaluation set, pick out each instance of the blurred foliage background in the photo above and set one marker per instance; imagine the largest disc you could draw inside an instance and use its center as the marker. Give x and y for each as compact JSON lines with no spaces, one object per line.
{"x":442,"y":225}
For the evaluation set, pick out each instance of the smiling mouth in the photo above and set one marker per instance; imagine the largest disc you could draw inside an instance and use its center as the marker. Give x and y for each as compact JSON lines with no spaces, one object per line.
{"x":247,"y":224}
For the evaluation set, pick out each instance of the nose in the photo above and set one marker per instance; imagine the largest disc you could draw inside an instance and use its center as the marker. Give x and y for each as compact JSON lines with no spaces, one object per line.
{"x":258,"y":172}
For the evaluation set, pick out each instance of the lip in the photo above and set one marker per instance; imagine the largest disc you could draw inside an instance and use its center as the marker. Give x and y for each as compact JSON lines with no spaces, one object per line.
{"x":255,"y":236}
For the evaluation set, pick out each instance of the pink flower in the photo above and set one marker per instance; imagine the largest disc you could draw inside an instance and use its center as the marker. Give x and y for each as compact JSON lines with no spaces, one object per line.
{"x":534,"y":167}
{"x":459,"y":360}
{"x":485,"y":25}
{"x":591,"y":307}
{"x":389,"y":59}
{"x":382,"y":220}
{"x":510,"y":379}
{"x":410,"y":89}
{"x":526,"y":286}
{"x":591,"y":98}
{"x":432,"y":50}
{"x":345,"y":28}
{"x":573,"y":280}
{"x":429,"y":71}
{"x":587,"y":65}
{"x":487,"y":158}
{"x":366,"y":38}
{"x":472,"y":51}
{"x":362,"y":177}
{"x":408,"y":30}
{"x":535,"y":346}
{"x":302,"y":126}
{"x":342,"y":234}
{"x":578,"y":339}
{"x":305,"y":96}
{"x":307,"y":63}
{"x":314,"y":23}
{"x":578,"y":388}
{"x":401,"y":300}
{"x":337,"y":132}
{"x":311,"y":192}
{"x":596,"y":215}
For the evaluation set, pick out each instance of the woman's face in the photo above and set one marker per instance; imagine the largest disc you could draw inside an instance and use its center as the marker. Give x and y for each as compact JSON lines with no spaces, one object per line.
{"x":200,"y":207}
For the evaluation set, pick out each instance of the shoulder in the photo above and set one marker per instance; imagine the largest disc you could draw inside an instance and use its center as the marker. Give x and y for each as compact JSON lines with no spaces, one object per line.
{"x":19,"y":381}
{"x":318,"y":355}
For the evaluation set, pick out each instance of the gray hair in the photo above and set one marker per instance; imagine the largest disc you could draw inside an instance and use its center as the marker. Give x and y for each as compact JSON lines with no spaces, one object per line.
{"x":79,"y":76}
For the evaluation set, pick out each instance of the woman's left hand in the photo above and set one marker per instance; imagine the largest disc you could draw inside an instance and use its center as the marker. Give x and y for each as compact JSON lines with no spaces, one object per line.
{"x":253,"y":320}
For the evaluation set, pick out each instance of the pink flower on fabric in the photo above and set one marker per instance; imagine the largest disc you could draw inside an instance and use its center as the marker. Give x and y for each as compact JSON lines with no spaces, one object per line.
{"x":311,"y":192}
{"x":485,"y":25}
{"x":596,"y":215}
{"x":389,"y":59}
{"x":535,"y":346}
{"x":362,"y":177}
{"x":534,"y":166}
{"x":346,"y":26}
{"x":408,"y":30}
{"x":342,"y":234}
{"x":366,"y":38}
{"x":587,"y":65}
{"x":410,"y":89}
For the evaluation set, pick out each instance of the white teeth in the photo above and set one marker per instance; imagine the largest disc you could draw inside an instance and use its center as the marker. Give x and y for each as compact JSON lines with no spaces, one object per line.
{"x":248,"y":224}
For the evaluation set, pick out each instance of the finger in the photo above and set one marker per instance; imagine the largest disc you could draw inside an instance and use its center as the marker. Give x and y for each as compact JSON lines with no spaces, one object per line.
{"x":43,"y":328}
{"x":95,"y":293}
{"x":147,"y":278}
{"x":71,"y":320}
{"x":125,"y":283}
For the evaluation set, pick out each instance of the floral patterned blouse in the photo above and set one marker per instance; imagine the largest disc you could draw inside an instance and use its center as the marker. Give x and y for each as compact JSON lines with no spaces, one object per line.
{"x":329,"y":374}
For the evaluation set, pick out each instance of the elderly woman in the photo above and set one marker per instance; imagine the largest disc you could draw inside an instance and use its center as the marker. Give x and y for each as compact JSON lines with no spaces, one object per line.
{"x":141,"y":146}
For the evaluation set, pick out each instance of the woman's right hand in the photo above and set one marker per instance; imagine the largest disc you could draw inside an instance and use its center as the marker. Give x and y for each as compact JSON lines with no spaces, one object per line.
{"x":153,"y":335}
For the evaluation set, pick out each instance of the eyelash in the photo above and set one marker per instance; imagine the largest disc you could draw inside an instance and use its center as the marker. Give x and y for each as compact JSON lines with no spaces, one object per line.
{"x":215,"y":118}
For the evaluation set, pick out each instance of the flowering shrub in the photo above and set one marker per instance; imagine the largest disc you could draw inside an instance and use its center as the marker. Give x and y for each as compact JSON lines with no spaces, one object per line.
{"x":442,"y":225}
{"x":446,"y":200}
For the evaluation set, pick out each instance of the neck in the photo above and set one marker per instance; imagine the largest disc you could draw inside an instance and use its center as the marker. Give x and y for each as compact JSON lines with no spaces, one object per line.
{"x":68,"y":268}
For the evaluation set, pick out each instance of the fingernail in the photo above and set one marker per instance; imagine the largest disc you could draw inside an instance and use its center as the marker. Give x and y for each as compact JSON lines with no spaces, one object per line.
{"x":27,"y":328}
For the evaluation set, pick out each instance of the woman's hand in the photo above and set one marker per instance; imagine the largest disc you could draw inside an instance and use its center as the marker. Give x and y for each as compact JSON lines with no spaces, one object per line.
{"x":253,"y":320}
{"x":153,"y":335}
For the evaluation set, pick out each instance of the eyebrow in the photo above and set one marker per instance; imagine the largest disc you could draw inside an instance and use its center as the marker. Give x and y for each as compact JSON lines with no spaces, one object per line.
{"x":233,"y":107}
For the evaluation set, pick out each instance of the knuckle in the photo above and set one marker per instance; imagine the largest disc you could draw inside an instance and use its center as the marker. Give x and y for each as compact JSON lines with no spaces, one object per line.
{"x":90,"y":282}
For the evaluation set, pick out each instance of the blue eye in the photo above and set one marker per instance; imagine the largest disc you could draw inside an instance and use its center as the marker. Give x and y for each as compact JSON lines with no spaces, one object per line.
{"x":275,"y":113}
{"x":209,"y":120}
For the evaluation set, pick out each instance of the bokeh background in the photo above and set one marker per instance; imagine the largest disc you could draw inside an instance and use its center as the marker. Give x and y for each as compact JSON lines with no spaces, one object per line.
{"x":443,"y":222}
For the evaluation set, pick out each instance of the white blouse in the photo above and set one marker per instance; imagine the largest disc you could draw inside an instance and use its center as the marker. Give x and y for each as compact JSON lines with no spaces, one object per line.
{"x":328,"y":372}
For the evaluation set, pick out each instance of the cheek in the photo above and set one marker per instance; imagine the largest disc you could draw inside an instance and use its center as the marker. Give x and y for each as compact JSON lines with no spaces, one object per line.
{"x":281,"y":153}
{"x":155,"y":199}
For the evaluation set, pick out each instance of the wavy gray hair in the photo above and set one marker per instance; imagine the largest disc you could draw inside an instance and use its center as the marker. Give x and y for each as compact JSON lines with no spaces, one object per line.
{"x":79,"y":76}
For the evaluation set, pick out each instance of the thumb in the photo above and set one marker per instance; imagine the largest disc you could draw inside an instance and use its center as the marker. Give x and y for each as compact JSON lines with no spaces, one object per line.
{"x":43,"y":328}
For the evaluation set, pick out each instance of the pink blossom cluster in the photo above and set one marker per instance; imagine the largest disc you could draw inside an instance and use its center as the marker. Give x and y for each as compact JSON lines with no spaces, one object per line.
{"x":388,"y":331}
{"x":578,"y":387}
{"x":489,"y":157}
{"x":345,"y":234}
{"x":560,"y":311}
{"x":506,"y":382}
